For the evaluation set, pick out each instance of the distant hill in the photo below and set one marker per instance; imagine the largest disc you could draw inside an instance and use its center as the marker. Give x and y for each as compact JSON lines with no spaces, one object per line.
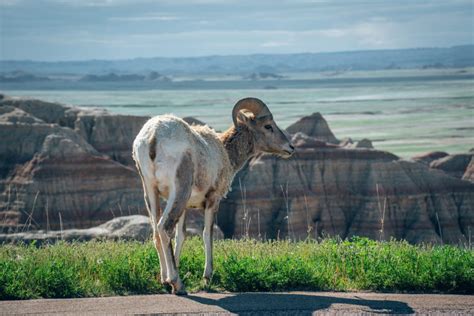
{"x":112,"y":77}
{"x":20,"y":77}
{"x":263,"y":76}
{"x":457,"y":56}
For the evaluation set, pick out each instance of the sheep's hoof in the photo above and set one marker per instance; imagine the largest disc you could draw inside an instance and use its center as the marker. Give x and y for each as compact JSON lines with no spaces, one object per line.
{"x":178,"y":288}
{"x":168,"y":288}
{"x":181,"y":292}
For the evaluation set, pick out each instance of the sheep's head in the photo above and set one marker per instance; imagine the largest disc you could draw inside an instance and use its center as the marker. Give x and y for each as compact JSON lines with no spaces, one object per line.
{"x":268,"y":137}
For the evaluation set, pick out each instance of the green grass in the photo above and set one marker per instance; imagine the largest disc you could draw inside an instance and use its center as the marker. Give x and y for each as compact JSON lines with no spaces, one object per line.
{"x":121,"y":268}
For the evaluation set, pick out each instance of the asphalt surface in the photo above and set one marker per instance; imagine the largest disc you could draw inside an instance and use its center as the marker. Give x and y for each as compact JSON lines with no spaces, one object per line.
{"x":287,"y":303}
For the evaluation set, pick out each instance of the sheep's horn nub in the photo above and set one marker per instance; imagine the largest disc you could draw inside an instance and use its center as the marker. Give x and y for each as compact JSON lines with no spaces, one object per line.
{"x":254,"y":105}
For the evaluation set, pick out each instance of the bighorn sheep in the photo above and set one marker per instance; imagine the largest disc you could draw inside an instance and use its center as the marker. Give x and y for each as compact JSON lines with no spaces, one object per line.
{"x":193,"y":166}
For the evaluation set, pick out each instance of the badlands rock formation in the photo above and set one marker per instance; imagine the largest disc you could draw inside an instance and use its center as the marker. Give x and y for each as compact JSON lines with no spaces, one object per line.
{"x":454,"y":165}
{"x":329,"y":190}
{"x":65,"y":166}
{"x":469,"y":174}
{"x":72,"y":167}
{"x":135,"y":227}
{"x":132,"y":227}
{"x":314,"y":126}
{"x":457,"y":165}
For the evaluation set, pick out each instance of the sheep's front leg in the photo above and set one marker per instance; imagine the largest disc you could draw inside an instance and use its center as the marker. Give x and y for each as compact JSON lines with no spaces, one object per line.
{"x":207,"y":233}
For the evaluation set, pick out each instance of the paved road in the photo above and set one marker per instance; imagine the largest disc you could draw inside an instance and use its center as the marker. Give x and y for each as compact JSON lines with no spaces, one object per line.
{"x":290,"y":303}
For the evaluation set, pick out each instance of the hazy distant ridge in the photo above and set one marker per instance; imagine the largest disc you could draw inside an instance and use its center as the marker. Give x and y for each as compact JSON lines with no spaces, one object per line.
{"x":457,"y":56}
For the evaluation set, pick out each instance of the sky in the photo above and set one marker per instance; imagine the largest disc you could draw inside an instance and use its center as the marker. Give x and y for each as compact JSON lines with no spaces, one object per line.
{"x":52,"y":30}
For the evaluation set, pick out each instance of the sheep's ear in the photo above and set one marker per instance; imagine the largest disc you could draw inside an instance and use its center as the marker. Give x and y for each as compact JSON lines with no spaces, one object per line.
{"x":246,"y":117}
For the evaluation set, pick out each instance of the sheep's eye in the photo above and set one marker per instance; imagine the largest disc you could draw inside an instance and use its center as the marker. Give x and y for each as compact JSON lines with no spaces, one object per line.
{"x":269,"y":127}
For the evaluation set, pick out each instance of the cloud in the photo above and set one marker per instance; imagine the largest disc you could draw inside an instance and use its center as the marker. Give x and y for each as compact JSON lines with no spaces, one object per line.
{"x":333,"y":32}
{"x":145,"y":18}
{"x":130,"y":28}
{"x":9,"y":3}
{"x":367,"y":35}
{"x":274,"y":44}
{"x":110,"y":3}
{"x":374,"y":33}
{"x":98,"y":3}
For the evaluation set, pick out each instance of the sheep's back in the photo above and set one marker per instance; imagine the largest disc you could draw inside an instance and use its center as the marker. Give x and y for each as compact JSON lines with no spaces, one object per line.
{"x":174,"y":138}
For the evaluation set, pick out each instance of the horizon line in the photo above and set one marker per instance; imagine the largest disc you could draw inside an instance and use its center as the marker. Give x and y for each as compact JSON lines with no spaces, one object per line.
{"x":234,"y":55}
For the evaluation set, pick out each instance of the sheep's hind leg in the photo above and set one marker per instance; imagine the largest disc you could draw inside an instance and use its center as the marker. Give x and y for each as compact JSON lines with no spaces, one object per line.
{"x":157,"y":239}
{"x":152,"y":202}
{"x":180,"y":192}
{"x":180,"y":235}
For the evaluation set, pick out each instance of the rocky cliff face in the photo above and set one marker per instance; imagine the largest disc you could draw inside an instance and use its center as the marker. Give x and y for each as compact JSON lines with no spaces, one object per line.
{"x":469,"y":173}
{"x":71,"y":166}
{"x":131,"y":227}
{"x":460,"y":166}
{"x":314,"y":126}
{"x":330,"y":190}
{"x":109,"y":134}
{"x":63,"y":166}
{"x":454,"y":165}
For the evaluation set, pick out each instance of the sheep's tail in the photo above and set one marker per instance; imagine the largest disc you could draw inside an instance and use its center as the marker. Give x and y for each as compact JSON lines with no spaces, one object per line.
{"x":143,"y":155}
{"x":145,"y":166}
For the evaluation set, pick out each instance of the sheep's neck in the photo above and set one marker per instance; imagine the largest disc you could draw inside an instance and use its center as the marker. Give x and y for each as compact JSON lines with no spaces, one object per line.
{"x":239,"y":145}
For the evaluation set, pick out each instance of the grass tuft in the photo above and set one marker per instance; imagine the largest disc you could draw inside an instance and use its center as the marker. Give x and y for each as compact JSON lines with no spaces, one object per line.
{"x":102,"y":268}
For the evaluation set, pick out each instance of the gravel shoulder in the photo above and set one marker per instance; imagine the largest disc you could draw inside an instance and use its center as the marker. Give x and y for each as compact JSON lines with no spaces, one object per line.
{"x":285,"y":303}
